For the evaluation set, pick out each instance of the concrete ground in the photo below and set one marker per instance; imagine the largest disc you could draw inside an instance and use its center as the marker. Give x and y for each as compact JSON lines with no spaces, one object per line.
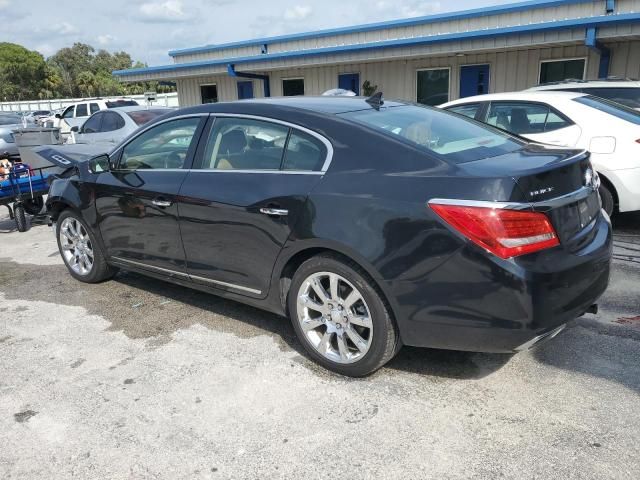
{"x":135,"y":378}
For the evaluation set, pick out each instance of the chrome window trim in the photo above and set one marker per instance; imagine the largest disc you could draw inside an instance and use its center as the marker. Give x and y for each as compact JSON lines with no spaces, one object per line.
{"x":324,"y":140}
{"x":185,"y":275}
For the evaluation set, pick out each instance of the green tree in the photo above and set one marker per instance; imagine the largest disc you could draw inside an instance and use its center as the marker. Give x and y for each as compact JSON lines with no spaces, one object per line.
{"x":22,"y":72}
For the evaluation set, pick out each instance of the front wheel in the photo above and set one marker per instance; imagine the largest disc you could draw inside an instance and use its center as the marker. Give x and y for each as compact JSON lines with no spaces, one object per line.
{"x":80,"y":251}
{"x":340,"y":317}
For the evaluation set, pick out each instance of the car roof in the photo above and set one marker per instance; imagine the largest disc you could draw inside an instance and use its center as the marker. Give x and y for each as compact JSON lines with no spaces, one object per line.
{"x":328,"y":104}
{"x":527,"y":95}
{"x":617,"y":83}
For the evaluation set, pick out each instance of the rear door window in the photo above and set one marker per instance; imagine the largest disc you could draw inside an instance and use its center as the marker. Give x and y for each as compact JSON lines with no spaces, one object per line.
{"x":94,"y":107}
{"x":245,"y":144}
{"x":112,"y":121}
{"x":524,"y":118}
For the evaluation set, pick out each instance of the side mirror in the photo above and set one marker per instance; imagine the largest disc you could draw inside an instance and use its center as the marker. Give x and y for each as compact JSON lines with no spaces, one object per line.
{"x":75,"y":129}
{"x":99,"y":164}
{"x":58,"y":115}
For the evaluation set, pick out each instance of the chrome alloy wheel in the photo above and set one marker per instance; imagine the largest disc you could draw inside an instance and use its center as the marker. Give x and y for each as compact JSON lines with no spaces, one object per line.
{"x":334,"y":317}
{"x":76,"y":247}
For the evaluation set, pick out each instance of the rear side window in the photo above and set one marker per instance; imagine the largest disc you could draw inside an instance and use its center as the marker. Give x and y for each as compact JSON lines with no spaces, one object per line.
{"x":612,"y":108}
{"x":112,"y":121}
{"x":469,"y":110}
{"x":93,"y":107}
{"x":304,"y":152}
{"x":141,"y":117}
{"x":449,"y":136}
{"x":525,"y":118}
{"x":81,"y":110}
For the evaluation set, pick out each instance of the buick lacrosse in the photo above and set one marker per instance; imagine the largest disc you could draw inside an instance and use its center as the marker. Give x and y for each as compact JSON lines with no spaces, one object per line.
{"x":371,"y":224}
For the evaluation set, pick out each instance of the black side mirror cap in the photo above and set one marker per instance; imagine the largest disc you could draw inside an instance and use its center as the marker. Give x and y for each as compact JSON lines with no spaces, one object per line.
{"x":58,"y":115}
{"x":75,"y":129}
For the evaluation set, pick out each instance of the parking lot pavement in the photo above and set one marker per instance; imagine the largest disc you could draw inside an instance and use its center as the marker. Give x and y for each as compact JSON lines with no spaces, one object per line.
{"x":135,"y":378}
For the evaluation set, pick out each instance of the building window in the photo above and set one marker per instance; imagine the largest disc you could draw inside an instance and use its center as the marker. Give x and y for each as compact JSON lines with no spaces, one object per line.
{"x":433,"y":86}
{"x":209,"y":93}
{"x":559,"y":70}
{"x":292,"y":86}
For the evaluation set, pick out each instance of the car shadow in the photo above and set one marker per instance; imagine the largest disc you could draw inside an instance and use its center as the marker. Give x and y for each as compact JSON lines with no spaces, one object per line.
{"x":422,"y":361}
{"x":595,"y":349}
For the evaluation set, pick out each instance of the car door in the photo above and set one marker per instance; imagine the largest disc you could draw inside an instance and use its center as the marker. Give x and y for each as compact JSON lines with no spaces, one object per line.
{"x":80,"y":115}
{"x":112,"y":122}
{"x":246,"y":192}
{"x":136,"y":201}
{"x":90,"y":129}
{"x":536,"y":121}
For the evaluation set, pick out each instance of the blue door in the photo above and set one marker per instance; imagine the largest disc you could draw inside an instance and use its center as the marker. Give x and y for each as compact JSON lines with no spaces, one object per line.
{"x":474,"y":80}
{"x":245,"y":90}
{"x":350,"y":81}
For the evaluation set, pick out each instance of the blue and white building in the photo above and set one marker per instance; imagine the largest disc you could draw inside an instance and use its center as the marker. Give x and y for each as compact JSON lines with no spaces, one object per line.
{"x":429,"y":59}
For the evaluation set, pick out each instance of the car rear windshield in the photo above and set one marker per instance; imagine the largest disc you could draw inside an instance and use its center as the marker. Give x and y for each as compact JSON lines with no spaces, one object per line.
{"x":612,"y":108}
{"x":145,"y":116}
{"x":10,"y":119}
{"x":451,"y":136}
{"x":120,"y":103}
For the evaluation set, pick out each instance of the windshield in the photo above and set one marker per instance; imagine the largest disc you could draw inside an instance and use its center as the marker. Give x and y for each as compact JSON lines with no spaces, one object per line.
{"x":612,"y":108}
{"x":454,"y":137}
{"x":140,"y":117}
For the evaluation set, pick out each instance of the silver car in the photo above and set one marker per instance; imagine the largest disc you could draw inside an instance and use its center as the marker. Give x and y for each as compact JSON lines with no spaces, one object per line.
{"x":9,"y":122}
{"x":113,"y":125}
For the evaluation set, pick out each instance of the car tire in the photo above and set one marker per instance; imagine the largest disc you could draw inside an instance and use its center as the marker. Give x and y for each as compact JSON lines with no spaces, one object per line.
{"x":77,"y":244}
{"x":360,"y":336}
{"x":608,"y":202}
{"x":21,"y":218}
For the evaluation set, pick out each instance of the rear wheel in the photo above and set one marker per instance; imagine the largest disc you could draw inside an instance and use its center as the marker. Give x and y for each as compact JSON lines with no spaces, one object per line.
{"x":340,"y":317}
{"x":80,"y":251}
{"x":608,"y":202}
{"x":20,"y":217}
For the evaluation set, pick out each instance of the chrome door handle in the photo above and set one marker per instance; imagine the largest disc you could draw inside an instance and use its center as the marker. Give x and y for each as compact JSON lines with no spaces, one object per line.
{"x":276,"y":212}
{"x":161,"y":203}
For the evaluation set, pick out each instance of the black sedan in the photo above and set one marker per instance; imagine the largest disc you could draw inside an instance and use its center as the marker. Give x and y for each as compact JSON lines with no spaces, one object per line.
{"x":370,"y":224}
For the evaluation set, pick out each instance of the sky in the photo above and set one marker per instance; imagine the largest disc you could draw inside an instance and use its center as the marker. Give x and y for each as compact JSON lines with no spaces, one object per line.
{"x":148,"y":29}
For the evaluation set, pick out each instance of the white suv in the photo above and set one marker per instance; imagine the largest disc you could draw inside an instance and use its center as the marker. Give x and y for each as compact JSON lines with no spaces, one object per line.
{"x":626,"y":92}
{"x":75,"y":115}
{"x":610,"y":131}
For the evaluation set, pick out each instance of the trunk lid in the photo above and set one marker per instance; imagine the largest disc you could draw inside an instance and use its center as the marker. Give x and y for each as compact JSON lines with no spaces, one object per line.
{"x":559,"y":182}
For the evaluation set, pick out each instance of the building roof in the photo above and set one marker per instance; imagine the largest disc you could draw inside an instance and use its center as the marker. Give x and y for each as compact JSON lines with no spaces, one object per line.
{"x":405,"y":22}
{"x":481,"y":25}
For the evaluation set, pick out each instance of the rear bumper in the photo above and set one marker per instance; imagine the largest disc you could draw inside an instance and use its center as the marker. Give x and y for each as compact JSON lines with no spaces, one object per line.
{"x":477,"y":302}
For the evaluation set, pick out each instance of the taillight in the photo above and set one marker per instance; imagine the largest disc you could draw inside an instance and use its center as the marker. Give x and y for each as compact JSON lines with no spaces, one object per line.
{"x":503,"y":232}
